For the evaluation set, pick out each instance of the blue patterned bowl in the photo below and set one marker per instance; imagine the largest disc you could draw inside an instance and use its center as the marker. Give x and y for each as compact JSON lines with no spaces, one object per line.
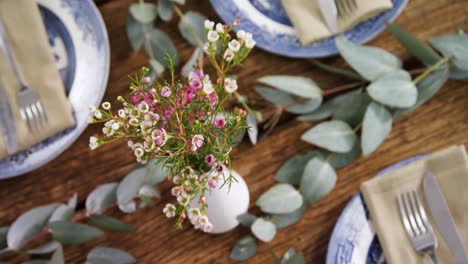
{"x":273,"y":32}
{"x":78,"y":40}
{"x":353,"y":240}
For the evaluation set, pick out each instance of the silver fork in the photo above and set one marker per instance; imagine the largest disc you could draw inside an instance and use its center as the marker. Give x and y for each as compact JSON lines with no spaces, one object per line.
{"x":345,"y":7}
{"x":417,"y":225}
{"x":30,"y":106}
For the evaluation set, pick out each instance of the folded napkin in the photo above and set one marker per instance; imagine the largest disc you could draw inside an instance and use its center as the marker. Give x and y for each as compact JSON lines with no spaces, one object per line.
{"x":28,"y":39}
{"x":450,"y":166}
{"x":310,"y":25}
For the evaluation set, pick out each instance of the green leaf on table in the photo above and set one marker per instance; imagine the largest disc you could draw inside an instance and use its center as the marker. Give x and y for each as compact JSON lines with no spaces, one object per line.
{"x":293,"y":257}
{"x":28,"y":225}
{"x":101,"y":198}
{"x":305,"y":107}
{"x":280,"y":199}
{"x":244,"y":249}
{"x":47,"y":248}
{"x":135,"y":32}
{"x":336,"y":70}
{"x":161,"y":45}
{"x":105,"y":255}
{"x":3,"y":237}
{"x":197,"y":57}
{"x":318,"y":180}
{"x":298,"y":86}
{"x":148,"y":191}
{"x":263,"y":229}
{"x":253,"y":128}
{"x":285,"y":220}
{"x":415,"y":46}
{"x":246,"y":219}
{"x":335,"y":135}
{"x":352,"y":108}
{"x":339,"y":160}
{"x":130,"y":185}
{"x":72,"y":233}
{"x":192,"y":28}
{"x":144,"y":12}
{"x":165,"y":9}
{"x":57,"y":257}
{"x":128,"y":208}
{"x":65,"y":211}
{"x":156,"y":172}
{"x":274,"y":96}
{"x":394,"y":89}
{"x":375,"y":128}
{"x":369,"y":62}
{"x":454,"y":46}
{"x":110,"y":224}
{"x":291,"y":171}
{"x":458,"y":74}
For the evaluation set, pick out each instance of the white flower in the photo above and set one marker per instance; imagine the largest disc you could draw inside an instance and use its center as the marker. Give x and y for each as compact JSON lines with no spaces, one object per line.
{"x":133,"y":122}
{"x":176,"y":180}
{"x":143,"y":107}
{"x":234,"y":45}
{"x":209,"y":24}
{"x":248,"y":35}
{"x":175,"y":191}
{"x":134,"y":113}
{"x":250,"y":43}
{"x":207,"y":227}
{"x":93,"y":143}
{"x":121,"y":113}
{"x":139,"y":152}
{"x":228,"y":55}
{"x":197,"y":141}
{"x":212,"y":36}
{"x":206,"y":47}
{"x":98,"y":114}
{"x":241,"y":34}
{"x":92,"y":109}
{"x":116,"y":126}
{"x":230,"y":85}
{"x":207,"y":86}
{"x":106,"y":105}
{"x":202,"y":221}
{"x":183,"y":199}
{"x":219,"y":28}
{"x":194,"y":214}
{"x":169,"y":210}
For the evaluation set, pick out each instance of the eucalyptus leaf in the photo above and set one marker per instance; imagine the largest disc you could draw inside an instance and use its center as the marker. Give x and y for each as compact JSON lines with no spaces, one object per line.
{"x":148,"y":191}
{"x":63,"y":212}
{"x":369,"y":62}
{"x":296,"y":258}
{"x":3,"y":237}
{"x":28,"y":225}
{"x":246,"y":219}
{"x":339,"y":160}
{"x":394,"y":89}
{"x":335,"y":135}
{"x":416,"y":47}
{"x":101,"y":198}
{"x":72,"y":233}
{"x":253,"y":128}
{"x":455,"y":46}
{"x":328,"y":108}
{"x":128,"y":208}
{"x":135,"y":32}
{"x":458,"y":74}
{"x":335,"y":70}
{"x":274,"y":96}
{"x":375,"y":128}
{"x":298,"y":86}
{"x":156,"y":173}
{"x":305,"y":107}
{"x":291,"y":171}
{"x":285,"y":220}
{"x":161,"y":45}
{"x":191,"y":26}
{"x":318,"y":180}
{"x":244,"y":249}
{"x":180,"y":2}
{"x":352,"y":108}
{"x":105,"y":255}
{"x":110,"y":224}
{"x":57,"y":257}
{"x":47,"y":248}
{"x":156,"y":69}
{"x":197,"y":55}
{"x":280,"y":199}
{"x":165,"y":10}
{"x":263,"y":229}
{"x":144,"y":12}
{"x":129,"y":186}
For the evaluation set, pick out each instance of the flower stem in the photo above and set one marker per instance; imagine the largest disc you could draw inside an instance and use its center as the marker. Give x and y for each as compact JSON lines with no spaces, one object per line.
{"x":431,"y":69}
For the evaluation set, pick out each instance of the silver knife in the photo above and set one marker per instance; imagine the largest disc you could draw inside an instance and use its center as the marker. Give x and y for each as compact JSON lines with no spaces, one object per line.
{"x":330,"y":14}
{"x":7,"y":122}
{"x":443,"y":218}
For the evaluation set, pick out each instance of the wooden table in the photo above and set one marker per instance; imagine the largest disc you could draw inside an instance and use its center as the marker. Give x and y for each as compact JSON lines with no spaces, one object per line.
{"x":441,"y":122}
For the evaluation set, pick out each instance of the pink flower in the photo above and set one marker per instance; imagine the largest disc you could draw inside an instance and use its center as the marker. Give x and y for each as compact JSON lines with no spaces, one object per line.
{"x":166,"y":91}
{"x":212,"y":183}
{"x":146,"y":79}
{"x":197,"y":141}
{"x":210,"y":159}
{"x":196,"y":84}
{"x":167,"y":114}
{"x":159,"y":136}
{"x":156,"y":117}
{"x":220,"y":122}
{"x":213,"y":99}
{"x":192,"y":148}
{"x":196,"y":74}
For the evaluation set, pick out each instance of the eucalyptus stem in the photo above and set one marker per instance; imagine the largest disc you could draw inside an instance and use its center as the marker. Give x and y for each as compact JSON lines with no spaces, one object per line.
{"x":431,"y":69}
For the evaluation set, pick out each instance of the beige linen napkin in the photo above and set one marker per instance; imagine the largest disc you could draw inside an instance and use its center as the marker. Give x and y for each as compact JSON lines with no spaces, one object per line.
{"x":28,"y":39}
{"x":450,"y":166}
{"x":310,"y":26}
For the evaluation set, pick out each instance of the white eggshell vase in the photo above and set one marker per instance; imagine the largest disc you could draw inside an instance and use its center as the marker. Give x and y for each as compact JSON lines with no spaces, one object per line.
{"x":224,"y":205}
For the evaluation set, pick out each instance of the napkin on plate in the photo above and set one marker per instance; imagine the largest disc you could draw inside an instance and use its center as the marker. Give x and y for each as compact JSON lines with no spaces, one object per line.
{"x":310,"y":26}
{"x":450,"y":166}
{"x":28,"y":39}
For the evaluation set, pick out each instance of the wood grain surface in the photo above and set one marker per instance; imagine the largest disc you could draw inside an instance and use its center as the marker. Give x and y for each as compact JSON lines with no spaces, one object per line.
{"x":441,"y":122}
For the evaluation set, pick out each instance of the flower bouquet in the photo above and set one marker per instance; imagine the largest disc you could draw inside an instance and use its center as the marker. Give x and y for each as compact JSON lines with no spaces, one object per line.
{"x":182,"y":124}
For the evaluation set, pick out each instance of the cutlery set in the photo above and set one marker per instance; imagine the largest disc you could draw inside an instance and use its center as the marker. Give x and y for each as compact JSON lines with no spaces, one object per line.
{"x":418,"y":227}
{"x":333,"y":10}
{"x":30,"y":106}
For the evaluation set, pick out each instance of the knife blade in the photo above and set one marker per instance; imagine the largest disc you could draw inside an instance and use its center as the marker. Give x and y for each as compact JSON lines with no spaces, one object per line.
{"x":330,"y":14}
{"x":7,"y":122}
{"x":443,"y":218}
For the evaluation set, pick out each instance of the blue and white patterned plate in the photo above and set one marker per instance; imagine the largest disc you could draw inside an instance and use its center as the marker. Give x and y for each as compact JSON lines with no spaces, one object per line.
{"x":273,"y":31}
{"x":353,"y":240}
{"x":79,"y":43}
